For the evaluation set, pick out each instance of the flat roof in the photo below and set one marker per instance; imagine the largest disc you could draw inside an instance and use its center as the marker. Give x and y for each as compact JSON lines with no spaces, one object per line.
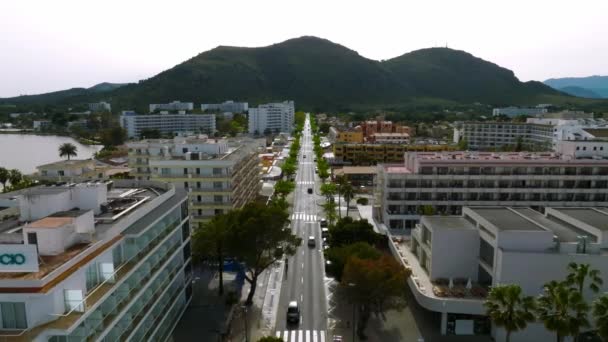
{"x":597,"y":132}
{"x":563,"y":233}
{"x":144,"y":222}
{"x":362,"y":170}
{"x":595,"y":217}
{"x":506,"y":219}
{"x":51,"y":222}
{"x":67,"y":163}
{"x":448,"y":222}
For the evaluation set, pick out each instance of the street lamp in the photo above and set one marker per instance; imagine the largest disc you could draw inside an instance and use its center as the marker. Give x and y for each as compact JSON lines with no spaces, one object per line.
{"x":354,"y":312}
{"x":246,"y":324}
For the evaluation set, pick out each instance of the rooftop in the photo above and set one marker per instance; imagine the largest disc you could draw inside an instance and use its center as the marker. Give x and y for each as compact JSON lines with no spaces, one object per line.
{"x":67,"y":163}
{"x":448,"y":222}
{"x":597,"y":132}
{"x":596,"y":217}
{"x":563,"y":233}
{"x":506,"y":219}
{"x":356,"y":170}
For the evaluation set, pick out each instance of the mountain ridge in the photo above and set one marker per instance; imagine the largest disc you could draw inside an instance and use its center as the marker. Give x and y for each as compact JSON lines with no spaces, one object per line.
{"x":321,"y":75}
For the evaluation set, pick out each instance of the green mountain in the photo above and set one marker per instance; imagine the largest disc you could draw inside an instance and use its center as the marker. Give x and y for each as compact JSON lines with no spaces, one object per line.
{"x":319,"y":74}
{"x":595,"y":84}
{"x":68,"y":96}
{"x":580,"y":92}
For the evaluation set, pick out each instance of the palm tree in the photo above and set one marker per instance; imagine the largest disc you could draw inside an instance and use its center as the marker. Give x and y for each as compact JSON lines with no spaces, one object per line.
{"x":507,"y":308}
{"x":340,"y":182}
{"x":562,"y":309}
{"x":330,"y":211}
{"x":3,"y":177}
{"x":328,"y":190}
{"x":600,"y":313}
{"x":349,"y":193}
{"x":68,"y":150}
{"x":210,"y":240}
{"x":14,"y":176}
{"x":578,"y":273}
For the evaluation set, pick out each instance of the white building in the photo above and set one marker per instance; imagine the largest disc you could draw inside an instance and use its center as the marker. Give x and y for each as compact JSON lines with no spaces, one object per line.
{"x":41,"y":125}
{"x":100,"y":107}
{"x":226,"y":107}
{"x":218,"y":174}
{"x":173,"y":106}
{"x":498,"y":245}
{"x":96,"y":262}
{"x":167,"y":124}
{"x":272,"y":117}
{"x":496,"y":135}
{"x":444,"y":182}
{"x":515,"y":111}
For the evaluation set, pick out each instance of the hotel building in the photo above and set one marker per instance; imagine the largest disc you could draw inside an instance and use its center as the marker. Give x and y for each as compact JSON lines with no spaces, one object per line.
{"x":103,"y":261}
{"x":218,"y":175}
{"x":445,"y":182}
{"x":456,"y":259}
{"x":272,"y":117}
{"x":167,"y":124}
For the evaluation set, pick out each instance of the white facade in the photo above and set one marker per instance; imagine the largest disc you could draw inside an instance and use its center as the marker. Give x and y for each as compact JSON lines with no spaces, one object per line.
{"x":226,"y":107}
{"x":444,"y":182}
{"x":100,"y":107}
{"x":499,"y":245}
{"x":173,"y":106}
{"x":273,"y":117}
{"x":167,"y":123}
{"x":117,"y":268}
{"x":40,"y":125}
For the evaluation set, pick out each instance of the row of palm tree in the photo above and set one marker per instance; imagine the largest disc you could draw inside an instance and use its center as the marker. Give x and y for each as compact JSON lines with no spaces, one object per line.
{"x":13,"y":176}
{"x":561,"y":307}
{"x":342,"y":187}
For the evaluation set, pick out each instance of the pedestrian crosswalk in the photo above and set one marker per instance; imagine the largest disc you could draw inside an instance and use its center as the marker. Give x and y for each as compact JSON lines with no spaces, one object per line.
{"x":302,"y":335}
{"x":306,"y":182}
{"x":303,"y":217}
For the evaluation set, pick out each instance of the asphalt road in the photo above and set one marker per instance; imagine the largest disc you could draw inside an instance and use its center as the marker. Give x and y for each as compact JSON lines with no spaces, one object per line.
{"x":304,"y":281}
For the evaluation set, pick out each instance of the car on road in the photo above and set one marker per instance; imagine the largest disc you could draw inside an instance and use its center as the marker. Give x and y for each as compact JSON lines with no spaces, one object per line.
{"x":310,"y":190}
{"x":315,"y":160}
{"x":293,"y":312}
{"x":323,"y":222}
{"x":312,"y":241}
{"x":304,"y":156}
{"x":337,"y":338}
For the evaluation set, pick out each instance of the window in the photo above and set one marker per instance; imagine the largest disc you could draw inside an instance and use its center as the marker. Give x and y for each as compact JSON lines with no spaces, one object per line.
{"x":198,"y":185}
{"x":217,"y":185}
{"x":584,"y":148}
{"x":186,"y":185}
{"x":92,"y":277}
{"x":13,"y":315}
{"x":61,"y":173}
{"x":185,"y":170}
{"x":32,"y":238}
{"x":117,"y":255}
{"x":198,"y":170}
{"x":218,"y":198}
{"x":73,"y":300}
{"x":165,"y":171}
{"x":217,"y":171}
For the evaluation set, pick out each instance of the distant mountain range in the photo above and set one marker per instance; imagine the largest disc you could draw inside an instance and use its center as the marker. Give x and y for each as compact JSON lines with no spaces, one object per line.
{"x":65,"y":96}
{"x":590,"y":87}
{"x":320,"y":75}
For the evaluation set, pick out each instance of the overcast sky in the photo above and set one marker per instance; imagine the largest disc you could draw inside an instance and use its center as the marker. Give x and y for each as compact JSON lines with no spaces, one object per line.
{"x":53,"y":45}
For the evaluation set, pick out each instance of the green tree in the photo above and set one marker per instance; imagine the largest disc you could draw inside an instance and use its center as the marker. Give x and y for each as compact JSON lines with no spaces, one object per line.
{"x":600,"y":315}
{"x":210,"y":240}
{"x":150,"y":134}
{"x":507,"y":308}
{"x":113,"y":136}
{"x":3,"y":177}
{"x":579,"y":273}
{"x":14,"y":176}
{"x":374,"y":285}
{"x":348,"y":231}
{"x":362,"y":201}
{"x":289,"y":168}
{"x":260,"y":240}
{"x":284,"y":188}
{"x":463,"y":144}
{"x":329,"y":209}
{"x":562,"y":309}
{"x":340,"y":182}
{"x":68,"y":150}
{"x":328,"y":190}
{"x":339,"y":256}
{"x":348,"y":193}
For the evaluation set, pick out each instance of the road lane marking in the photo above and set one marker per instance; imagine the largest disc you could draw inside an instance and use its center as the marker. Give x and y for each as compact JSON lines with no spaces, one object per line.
{"x":293,"y":334}
{"x":302,"y":298}
{"x":322,"y":335}
{"x":302,"y":279}
{"x":314,"y":336}
{"x":307,"y":336}
{"x":300,"y":338}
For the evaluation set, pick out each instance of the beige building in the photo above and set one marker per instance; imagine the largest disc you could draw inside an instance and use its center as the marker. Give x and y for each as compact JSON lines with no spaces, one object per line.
{"x":76,"y":171}
{"x":219,"y":175}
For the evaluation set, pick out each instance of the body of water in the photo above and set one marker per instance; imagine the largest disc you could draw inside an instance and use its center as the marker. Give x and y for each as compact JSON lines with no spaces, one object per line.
{"x":26,"y":151}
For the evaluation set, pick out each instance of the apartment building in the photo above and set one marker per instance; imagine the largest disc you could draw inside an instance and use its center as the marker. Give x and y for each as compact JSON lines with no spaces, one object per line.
{"x":227,"y":106}
{"x":167,"y":124}
{"x":76,"y":170}
{"x":498,"y":245}
{"x":103,"y":261}
{"x":371,"y":127}
{"x":371,"y":154}
{"x":447,"y":181}
{"x":272,"y":117}
{"x":515,"y":111}
{"x":497,"y":135}
{"x":41,"y":125}
{"x":172,"y":106}
{"x":100,"y":107}
{"x":390,"y":138}
{"x":218,"y":175}
{"x":349,"y":136}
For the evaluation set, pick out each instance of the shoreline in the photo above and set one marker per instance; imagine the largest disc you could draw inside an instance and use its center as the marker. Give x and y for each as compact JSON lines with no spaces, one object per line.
{"x":29,"y":132}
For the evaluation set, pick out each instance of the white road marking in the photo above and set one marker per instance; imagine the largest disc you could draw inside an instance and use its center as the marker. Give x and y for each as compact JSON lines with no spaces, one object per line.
{"x":300,"y":338}
{"x":302,"y":279}
{"x":307,"y":336}
{"x":293,"y":335}
{"x":322,"y":335}
{"x":314,"y":336}
{"x":302,"y":298}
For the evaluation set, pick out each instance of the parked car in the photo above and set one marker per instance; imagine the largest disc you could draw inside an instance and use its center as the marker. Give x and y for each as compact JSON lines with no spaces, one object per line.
{"x":323,"y":222}
{"x":293,"y":312}
{"x":310,"y":190}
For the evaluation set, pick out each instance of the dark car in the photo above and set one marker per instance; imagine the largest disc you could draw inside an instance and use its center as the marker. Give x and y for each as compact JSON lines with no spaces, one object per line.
{"x":310,"y":190}
{"x":293,"y":312}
